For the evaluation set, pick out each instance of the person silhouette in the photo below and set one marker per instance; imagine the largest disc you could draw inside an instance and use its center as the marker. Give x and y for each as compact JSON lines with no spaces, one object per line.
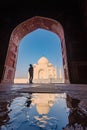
{"x":30,"y":70}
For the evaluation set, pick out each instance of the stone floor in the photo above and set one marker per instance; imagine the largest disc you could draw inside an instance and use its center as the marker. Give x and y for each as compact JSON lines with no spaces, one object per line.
{"x":76,"y":91}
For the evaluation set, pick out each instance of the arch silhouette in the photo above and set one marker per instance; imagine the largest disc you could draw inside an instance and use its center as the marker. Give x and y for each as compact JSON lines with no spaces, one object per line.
{"x":23,"y":29}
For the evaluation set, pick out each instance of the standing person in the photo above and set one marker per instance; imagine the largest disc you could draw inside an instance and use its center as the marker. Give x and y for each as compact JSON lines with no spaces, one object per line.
{"x":30,"y":73}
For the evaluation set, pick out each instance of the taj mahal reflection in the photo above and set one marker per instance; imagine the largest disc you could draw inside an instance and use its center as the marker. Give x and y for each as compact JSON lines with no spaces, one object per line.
{"x":43,"y":102}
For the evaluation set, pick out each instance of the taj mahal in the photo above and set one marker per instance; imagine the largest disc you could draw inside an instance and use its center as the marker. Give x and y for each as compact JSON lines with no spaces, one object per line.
{"x":45,"y":72}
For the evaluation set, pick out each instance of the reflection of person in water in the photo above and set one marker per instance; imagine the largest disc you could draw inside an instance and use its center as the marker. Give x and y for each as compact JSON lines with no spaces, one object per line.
{"x":30,"y":73}
{"x":28,"y":101}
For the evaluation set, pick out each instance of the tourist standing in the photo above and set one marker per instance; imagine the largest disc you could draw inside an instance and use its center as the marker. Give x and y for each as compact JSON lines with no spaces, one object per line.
{"x":30,"y":70}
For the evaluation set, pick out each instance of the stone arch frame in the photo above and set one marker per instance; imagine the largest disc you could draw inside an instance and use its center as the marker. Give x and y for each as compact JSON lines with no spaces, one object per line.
{"x":23,"y":29}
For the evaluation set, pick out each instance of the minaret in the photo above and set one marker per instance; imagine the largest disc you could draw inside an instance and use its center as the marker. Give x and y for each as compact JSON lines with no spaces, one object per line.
{"x":60,"y":74}
{"x":56,"y":71}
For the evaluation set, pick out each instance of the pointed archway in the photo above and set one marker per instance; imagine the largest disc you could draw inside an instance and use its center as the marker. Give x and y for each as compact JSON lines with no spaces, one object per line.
{"x":23,"y":29}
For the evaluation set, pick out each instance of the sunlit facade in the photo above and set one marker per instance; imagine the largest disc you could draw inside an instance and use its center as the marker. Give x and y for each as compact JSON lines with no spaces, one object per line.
{"x":45,"y":72}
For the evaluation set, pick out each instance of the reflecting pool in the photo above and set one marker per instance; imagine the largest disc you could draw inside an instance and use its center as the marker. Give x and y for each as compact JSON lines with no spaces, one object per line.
{"x":41,"y":111}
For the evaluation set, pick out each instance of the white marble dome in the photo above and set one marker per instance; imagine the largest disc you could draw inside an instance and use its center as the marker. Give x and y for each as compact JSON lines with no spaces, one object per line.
{"x":43,"y":60}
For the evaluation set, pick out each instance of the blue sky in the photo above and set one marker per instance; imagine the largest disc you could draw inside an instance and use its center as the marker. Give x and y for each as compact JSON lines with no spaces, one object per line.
{"x":35,"y":45}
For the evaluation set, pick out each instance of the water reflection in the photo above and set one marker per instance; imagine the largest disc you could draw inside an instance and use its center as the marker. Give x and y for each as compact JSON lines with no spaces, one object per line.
{"x":42,"y":111}
{"x":44,"y":103}
{"x":52,"y":111}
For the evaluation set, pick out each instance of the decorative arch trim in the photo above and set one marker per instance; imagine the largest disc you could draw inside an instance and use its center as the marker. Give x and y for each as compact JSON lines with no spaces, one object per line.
{"x":25,"y":28}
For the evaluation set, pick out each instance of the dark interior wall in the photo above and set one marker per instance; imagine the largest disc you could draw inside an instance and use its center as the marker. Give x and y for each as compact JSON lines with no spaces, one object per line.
{"x":76,"y":45}
{"x":69,"y":13}
{"x":5,"y":31}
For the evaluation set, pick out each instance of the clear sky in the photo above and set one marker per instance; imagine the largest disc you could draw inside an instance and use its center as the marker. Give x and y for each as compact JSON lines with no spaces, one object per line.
{"x":35,"y":45}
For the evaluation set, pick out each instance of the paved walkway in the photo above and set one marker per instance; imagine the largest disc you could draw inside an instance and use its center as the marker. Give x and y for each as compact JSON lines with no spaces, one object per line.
{"x":76,"y":91}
